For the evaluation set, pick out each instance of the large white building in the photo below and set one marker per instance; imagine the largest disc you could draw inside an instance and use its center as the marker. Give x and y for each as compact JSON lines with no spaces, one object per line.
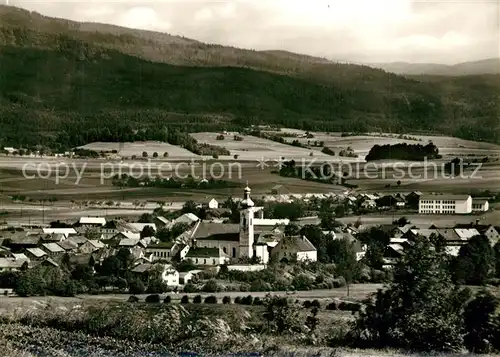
{"x":445,"y":204}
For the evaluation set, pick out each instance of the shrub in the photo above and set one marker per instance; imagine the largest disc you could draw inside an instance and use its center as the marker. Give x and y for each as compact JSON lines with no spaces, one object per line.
{"x":307,"y":304}
{"x":190,"y":288}
{"x":212,"y":299}
{"x":316,"y":303}
{"x":332,"y":306}
{"x":247,"y":300}
{"x":226,"y":300}
{"x":136,"y":287}
{"x":349,"y":306}
{"x":302,"y":282}
{"x":185,"y":299}
{"x":133,"y":299}
{"x":237,"y":300}
{"x":154,"y":298}
{"x":339,"y":282}
{"x":258,"y":301}
{"x":167,"y":300}
{"x":197,"y":299}
{"x":211,"y":286}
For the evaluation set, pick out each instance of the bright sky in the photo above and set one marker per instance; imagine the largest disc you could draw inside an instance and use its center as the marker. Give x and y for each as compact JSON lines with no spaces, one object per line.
{"x":442,"y":31}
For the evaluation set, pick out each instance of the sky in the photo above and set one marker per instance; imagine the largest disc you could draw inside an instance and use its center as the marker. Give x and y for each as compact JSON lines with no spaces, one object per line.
{"x":368,"y":31}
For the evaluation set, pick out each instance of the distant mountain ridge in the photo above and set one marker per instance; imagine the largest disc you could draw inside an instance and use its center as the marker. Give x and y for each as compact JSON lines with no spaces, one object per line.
{"x":486,"y":66}
{"x":74,"y":82}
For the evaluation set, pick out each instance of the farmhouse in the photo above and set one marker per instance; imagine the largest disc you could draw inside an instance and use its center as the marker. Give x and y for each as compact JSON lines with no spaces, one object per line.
{"x":207,"y":256}
{"x":445,"y":204}
{"x":169,"y":274}
{"x":11,"y":264}
{"x":295,"y":249}
{"x":66,"y":231}
{"x":480,"y":205}
{"x":213,"y":204}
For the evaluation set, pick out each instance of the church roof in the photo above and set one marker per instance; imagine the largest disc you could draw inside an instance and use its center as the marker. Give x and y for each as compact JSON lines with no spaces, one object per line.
{"x":217,"y":231}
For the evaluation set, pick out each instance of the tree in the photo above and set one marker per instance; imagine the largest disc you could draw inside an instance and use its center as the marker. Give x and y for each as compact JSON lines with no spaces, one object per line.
{"x":146,"y":218}
{"x":147,"y":231}
{"x":282,"y":316}
{"x":343,"y":255}
{"x":165,"y":154}
{"x":189,"y":207}
{"x":111,"y":266}
{"x":475,"y":262}
{"x":398,"y":183}
{"x":479,"y":322}
{"x":497,"y":259}
{"x":291,"y":229}
{"x":144,"y":154}
{"x":420,"y":309}
{"x":155,"y":154}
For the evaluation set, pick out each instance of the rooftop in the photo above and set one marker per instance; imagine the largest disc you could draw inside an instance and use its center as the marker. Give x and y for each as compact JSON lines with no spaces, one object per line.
{"x":205,"y":253}
{"x":217,"y":231}
{"x":447,"y":197}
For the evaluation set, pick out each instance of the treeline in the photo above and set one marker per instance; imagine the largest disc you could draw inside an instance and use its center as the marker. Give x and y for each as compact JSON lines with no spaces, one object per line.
{"x":403,"y":151}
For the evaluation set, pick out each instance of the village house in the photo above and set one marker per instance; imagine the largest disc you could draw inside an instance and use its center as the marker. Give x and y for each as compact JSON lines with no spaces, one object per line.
{"x":90,"y":246}
{"x":188,"y":218}
{"x":207,"y":256}
{"x":294,"y":249}
{"x":69,"y":246}
{"x":185,"y":277}
{"x":169,"y":275}
{"x":161,"y":222}
{"x":65,"y":231}
{"x":213,"y":204}
{"x":52,"y":249}
{"x":11,"y":264}
{"x":35,"y":254}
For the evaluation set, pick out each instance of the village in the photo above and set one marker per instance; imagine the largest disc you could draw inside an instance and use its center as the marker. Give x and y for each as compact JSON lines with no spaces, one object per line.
{"x":183,"y":247}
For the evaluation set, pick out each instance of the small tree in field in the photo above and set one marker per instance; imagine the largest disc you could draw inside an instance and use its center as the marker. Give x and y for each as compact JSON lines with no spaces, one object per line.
{"x":165,"y":154}
{"x":155,"y":155}
{"x":144,"y":154}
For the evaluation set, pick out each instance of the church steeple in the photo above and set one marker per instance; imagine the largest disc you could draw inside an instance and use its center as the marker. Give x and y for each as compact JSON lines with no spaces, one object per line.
{"x":246,"y":225}
{"x":247,"y":201}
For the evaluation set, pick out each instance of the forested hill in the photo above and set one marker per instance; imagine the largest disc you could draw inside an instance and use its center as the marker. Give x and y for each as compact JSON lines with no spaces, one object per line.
{"x":63,"y":84}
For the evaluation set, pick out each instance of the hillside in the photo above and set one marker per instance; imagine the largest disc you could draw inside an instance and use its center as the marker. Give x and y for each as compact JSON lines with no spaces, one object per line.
{"x":65,"y":83}
{"x":487,"y":66}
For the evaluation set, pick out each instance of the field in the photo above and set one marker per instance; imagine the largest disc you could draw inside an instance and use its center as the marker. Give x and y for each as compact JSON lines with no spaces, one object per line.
{"x":448,"y":146}
{"x":254,"y":148}
{"x":137,"y":148}
{"x":90,"y":179}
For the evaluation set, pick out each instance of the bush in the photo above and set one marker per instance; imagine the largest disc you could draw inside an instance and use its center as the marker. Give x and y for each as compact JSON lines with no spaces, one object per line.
{"x":258,"y":301}
{"x":316,"y":303}
{"x":190,"y":288}
{"x":339,"y":282}
{"x":226,"y":300}
{"x":211,"y":286}
{"x":212,"y":299}
{"x":133,"y":299}
{"x":237,"y":300}
{"x":136,"y":287}
{"x":332,"y":306}
{"x":307,"y":304}
{"x":349,"y":306}
{"x":185,"y":299}
{"x":247,"y":300}
{"x":154,"y":298}
{"x":197,"y":299}
{"x":302,"y":282}
{"x":167,"y":300}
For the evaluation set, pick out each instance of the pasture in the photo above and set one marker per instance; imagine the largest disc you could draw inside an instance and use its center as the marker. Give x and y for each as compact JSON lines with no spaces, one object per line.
{"x":254,"y":148}
{"x":361,"y":144}
{"x":137,"y":148}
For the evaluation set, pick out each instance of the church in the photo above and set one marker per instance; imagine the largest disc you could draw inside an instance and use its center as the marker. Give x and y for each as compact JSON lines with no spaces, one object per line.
{"x":253,"y":237}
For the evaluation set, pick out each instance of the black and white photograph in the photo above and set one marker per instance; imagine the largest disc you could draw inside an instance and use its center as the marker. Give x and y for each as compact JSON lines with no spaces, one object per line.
{"x":249,"y":178}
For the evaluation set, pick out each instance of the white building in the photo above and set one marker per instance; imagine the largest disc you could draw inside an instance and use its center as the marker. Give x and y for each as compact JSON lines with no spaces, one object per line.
{"x":295,"y":249}
{"x":213,"y":204}
{"x":93,"y":221}
{"x":445,"y":204}
{"x":480,"y":205}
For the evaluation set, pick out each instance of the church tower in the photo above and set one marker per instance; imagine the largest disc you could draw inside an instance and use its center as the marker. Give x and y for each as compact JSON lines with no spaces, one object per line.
{"x":246,"y":225}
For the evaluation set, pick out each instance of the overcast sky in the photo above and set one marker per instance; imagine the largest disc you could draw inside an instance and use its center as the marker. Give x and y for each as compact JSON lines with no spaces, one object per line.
{"x":354,"y":30}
